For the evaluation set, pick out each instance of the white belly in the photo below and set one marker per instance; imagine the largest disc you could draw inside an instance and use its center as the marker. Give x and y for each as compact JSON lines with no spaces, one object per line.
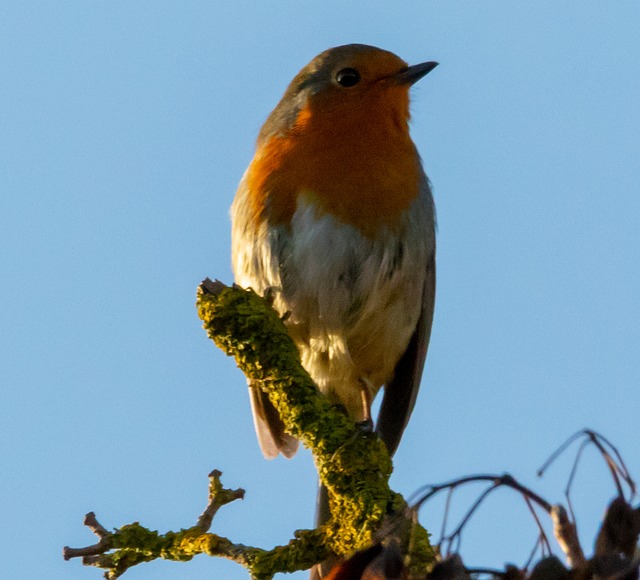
{"x":354,"y":302}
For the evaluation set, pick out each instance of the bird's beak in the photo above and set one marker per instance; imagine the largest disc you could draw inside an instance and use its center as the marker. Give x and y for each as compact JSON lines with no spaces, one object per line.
{"x":414,"y":73}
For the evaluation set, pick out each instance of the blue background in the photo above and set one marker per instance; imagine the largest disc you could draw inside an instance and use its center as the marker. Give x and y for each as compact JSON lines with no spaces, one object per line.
{"x":125,"y":127}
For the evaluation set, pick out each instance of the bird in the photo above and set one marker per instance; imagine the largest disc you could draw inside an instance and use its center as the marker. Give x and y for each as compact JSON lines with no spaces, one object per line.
{"x":334,"y":219}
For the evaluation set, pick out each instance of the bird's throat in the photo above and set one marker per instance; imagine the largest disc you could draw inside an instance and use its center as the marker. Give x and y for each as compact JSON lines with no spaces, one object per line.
{"x":362,"y":169}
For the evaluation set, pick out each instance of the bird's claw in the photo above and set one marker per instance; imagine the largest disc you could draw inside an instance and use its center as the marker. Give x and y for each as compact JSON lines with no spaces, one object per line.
{"x":365,"y":426}
{"x":286,"y":316}
{"x":270,"y":294}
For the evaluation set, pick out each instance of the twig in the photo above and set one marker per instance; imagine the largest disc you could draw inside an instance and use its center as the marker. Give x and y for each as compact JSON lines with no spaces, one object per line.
{"x":104,"y":545}
{"x":507,"y":480}
{"x":218,"y":496}
{"x":567,"y":536}
{"x":542,"y":542}
{"x":616,"y":465}
{"x":456,"y":535}
{"x":134,"y":544}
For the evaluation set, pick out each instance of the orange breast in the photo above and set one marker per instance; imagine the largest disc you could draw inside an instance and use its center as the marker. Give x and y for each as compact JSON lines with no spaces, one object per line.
{"x":356,"y":161}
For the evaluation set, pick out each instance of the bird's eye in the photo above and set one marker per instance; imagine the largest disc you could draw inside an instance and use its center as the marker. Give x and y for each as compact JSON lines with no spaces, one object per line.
{"x":348,"y":77}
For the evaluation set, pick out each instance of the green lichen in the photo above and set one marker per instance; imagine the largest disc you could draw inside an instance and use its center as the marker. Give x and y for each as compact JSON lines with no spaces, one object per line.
{"x":421,"y":554}
{"x":306,"y":549}
{"x":135,"y":544}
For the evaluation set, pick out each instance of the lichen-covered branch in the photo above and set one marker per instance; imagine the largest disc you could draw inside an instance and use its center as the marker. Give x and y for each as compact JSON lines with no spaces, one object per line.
{"x":134,"y":544}
{"x":352,"y":463}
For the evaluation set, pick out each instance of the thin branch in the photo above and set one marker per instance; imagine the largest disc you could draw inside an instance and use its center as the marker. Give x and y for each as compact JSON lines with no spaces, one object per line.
{"x":134,"y":544}
{"x":557,"y":453}
{"x":620,"y":464}
{"x":613,"y":459}
{"x":104,"y":545}
{"x":445,"y":517}
{"x":456,"y":535}
{"x":567,"y":536}
{"x":572,"y":474}
{"x":536,"y":547}
{"x":507,"y":480}
{"x":616,"y":468}
{"x":218,"y":496}
{"x":543,"y":541}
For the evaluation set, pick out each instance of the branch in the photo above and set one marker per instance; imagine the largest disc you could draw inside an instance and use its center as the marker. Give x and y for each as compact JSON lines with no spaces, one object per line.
{"x":353,"y":464}
{"x":567,"y":536}
{"x":134,"y":544}
{"x":104,"y":545}
{"x":218,"y":496}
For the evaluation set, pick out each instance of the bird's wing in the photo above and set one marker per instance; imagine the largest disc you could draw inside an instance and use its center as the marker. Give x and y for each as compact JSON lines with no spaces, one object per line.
{"x":269,"y":428}
{"x":401,"y":392}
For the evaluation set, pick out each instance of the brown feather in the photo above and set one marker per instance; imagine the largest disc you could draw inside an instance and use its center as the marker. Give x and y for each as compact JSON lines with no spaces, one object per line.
{"x":272,"y":437}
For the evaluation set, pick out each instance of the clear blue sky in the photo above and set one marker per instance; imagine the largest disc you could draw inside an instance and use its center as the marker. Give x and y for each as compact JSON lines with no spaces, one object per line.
{"x":125,"y":127}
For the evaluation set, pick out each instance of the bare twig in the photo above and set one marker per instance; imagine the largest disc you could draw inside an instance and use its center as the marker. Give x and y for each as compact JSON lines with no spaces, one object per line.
{"x":427,"y":492}
{"x":557,"y":453}
{"x":104,"y":545}
{"x":218,"y":496}
{"x":133,"y":544}
{"x":456,"y":535}
{"x":612,"y":457}
{"x":566,"y":535}
{"x":451,"y":542}
{"x":565,"y":527}
{"x":543,"y":542}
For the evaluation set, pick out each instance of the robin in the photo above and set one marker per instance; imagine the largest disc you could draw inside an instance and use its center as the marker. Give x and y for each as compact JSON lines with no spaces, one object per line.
{"x":334,"y":217}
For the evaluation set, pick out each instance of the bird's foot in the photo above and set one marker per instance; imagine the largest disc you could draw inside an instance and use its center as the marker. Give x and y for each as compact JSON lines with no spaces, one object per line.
{"x":270,"y":294}
{"x":365,"y":426}
{"x":286,"y":316}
